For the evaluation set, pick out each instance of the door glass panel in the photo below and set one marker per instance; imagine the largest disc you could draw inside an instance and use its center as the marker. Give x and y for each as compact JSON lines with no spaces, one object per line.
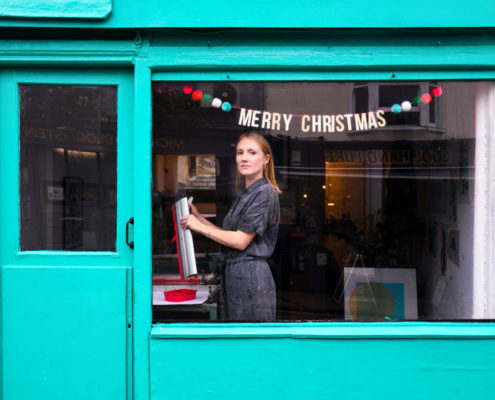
{"x":68,"y":177}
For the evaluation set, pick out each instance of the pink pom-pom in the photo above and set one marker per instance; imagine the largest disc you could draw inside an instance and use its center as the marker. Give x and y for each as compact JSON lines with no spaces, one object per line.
{"x":437,"y":91}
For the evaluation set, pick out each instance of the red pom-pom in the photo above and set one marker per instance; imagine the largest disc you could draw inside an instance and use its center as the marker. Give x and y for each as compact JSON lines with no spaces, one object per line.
{"x":187,"y":89}
{"x":197,"y":94}
{"x":437,"y":91}
{"x":426,"y":98}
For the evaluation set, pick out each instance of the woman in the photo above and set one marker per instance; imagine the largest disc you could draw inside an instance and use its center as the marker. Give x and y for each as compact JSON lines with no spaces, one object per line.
{"x":248,"y":234}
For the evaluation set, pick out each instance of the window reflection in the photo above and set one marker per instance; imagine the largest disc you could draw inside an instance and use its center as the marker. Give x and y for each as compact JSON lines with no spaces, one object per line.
{"x":377,"y":220}
{"x":68,"y":167}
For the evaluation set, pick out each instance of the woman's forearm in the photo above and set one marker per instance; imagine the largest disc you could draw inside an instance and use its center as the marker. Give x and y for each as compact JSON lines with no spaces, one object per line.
{"x":205,"y":221}
{"x":236,"y":239}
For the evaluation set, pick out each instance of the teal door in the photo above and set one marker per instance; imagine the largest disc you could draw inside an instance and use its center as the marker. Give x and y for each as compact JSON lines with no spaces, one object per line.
{"x":66,"y":197}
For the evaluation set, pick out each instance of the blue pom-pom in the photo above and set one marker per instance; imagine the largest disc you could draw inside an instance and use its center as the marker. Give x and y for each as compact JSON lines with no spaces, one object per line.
{"x":396,"y":109}
{"x":226,"y":106}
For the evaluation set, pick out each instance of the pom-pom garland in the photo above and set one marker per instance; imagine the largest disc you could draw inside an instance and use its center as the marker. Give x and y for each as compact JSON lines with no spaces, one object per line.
{"x":208,"y":100}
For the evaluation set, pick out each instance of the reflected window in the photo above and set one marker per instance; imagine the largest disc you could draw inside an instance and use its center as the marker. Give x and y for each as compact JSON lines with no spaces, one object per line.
{"x":68,"y":137}
{"x":418,"y":114}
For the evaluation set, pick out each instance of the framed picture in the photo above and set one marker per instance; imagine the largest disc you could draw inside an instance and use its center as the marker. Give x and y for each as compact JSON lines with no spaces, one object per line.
{"x":380,"y":294}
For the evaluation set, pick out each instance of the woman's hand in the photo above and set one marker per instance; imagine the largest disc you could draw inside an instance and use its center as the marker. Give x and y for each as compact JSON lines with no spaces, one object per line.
{"x":193,"y":210}
{"x":191,"y":222}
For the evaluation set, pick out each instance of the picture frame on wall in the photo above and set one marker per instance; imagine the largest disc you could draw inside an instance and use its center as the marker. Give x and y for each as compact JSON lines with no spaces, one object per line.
{"x":376,"y":294}
{"x":53,"y":192}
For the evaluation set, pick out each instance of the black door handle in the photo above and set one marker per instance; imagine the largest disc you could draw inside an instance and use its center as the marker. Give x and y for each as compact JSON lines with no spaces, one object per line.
{"x":130,"y":244}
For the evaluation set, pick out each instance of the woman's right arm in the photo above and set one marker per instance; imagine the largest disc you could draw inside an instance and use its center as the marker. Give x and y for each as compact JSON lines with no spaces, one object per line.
{"x":236,"y":239}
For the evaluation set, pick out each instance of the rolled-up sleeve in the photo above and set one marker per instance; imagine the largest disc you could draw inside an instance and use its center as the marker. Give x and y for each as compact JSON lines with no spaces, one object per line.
{"x":256,"y":216}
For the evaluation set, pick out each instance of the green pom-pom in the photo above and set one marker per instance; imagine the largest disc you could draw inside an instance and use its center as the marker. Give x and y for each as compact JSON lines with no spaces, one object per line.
{"x":206,"y":100}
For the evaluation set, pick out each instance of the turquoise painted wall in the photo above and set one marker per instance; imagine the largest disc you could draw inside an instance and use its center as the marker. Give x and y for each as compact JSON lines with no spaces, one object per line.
{"x":253,"y":14}
{"x":346,"y":364}
{"x":53,"y":339}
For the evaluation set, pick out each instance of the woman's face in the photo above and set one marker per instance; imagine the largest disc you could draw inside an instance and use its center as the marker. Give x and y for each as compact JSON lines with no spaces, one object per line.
{"x":250,"y":160}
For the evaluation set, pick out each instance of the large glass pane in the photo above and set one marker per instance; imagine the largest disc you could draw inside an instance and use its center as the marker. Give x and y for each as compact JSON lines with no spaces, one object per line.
{"x":377,"y":212}
{"x":68,"y":144}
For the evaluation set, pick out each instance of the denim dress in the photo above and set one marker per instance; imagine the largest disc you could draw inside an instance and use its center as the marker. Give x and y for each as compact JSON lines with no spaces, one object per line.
{"x":248,"y":289}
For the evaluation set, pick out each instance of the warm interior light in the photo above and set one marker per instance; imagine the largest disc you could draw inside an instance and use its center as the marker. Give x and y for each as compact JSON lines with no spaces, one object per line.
{"x":76,"y":153}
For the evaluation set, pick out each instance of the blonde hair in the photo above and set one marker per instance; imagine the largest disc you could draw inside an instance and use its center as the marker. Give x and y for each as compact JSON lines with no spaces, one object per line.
{"x":269,"y":169}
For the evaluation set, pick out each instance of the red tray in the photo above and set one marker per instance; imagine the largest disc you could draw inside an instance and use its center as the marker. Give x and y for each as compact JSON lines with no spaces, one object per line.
{"x":179,"y":295}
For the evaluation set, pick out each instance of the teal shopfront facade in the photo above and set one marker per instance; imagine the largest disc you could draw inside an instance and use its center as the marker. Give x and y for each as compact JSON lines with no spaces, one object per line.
{"x":77,"y":318}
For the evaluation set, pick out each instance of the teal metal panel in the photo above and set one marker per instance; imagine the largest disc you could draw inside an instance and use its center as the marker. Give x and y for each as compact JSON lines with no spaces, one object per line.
{"x":56,"y":8}
{"x":352,"y":55}
{"x":279,"y":14}
{"x":328,"y":330}
{"x":1,"y":331}
{"x":66,"y":316}
{"x":246,"y":54}
{"x":2,"y":233}
{"x":64,"y":332}
{"x":332,"y":368}
{"x":114,"y":53}
{"x":10,"y":165}
{"x":142,"y":231}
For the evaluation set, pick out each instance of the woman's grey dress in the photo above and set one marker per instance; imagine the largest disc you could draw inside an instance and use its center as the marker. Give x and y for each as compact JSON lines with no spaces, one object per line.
{"x":248,"y":289}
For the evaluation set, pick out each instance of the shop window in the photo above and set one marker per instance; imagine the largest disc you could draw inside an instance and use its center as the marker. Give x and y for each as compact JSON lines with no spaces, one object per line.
{"x":377,"y":220}
{"x":68,"y":167}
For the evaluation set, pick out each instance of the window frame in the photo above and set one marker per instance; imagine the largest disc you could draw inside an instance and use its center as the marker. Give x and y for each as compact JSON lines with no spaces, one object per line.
{"x":200,"y":74}
{"x":121,"y":79}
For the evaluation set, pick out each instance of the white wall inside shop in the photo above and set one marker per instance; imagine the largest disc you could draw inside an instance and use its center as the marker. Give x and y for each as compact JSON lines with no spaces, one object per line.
{"x":463,"y":288}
